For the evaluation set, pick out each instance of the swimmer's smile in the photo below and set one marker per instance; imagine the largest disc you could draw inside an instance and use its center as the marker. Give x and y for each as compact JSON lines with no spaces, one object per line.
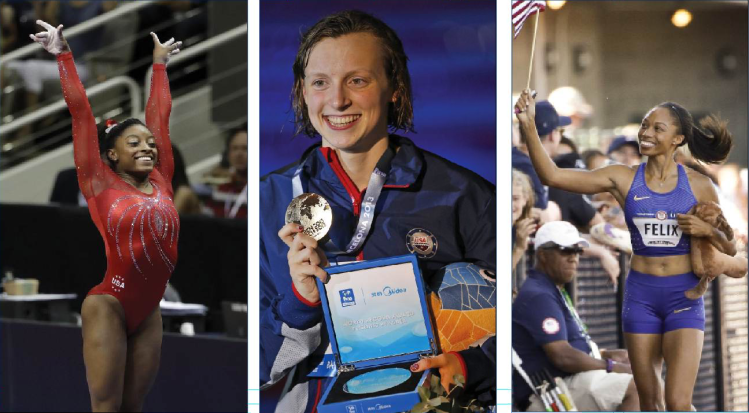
{"x":341,"y":122}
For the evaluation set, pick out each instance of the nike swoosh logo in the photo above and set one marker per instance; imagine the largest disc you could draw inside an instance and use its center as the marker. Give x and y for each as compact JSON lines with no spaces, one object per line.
{"x":641,"y":198}
{"x":683,"y":309}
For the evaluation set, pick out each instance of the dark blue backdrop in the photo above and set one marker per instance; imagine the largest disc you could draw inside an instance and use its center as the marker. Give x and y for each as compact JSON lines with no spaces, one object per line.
{"x":451,"y":47}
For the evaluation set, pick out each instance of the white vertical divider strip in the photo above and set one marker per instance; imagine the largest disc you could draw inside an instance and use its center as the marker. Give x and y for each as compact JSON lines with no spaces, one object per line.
{"x":253,"y":181}
{"x":504,"y":202}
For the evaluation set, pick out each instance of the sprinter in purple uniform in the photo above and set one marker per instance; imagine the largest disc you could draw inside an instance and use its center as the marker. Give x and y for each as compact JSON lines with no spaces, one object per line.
{"x":659,"y":321}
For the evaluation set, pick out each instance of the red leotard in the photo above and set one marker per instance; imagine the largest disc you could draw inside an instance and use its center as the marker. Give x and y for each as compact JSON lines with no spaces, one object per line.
{"x":140,"y":231}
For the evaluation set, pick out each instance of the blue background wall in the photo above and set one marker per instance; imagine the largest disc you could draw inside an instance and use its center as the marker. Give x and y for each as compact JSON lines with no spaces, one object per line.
{"x":452,"y":59}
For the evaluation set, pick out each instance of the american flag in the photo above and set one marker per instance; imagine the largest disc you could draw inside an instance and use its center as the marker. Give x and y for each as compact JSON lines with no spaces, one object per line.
{"x":522,"y":9}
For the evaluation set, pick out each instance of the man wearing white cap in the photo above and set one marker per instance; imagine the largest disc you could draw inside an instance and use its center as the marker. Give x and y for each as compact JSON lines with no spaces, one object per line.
{"x":547,"y":333}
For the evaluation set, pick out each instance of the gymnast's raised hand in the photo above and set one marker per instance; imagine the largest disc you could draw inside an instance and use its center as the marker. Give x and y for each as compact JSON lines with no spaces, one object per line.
{"x":52,"y":40}
{"x":162,"y":52}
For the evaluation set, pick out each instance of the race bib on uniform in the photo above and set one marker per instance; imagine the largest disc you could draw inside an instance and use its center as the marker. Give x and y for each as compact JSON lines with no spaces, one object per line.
{"x":660,"y":230}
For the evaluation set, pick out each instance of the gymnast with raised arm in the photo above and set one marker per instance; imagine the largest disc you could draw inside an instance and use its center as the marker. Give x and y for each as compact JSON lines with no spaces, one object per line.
{"x":125,"y":174}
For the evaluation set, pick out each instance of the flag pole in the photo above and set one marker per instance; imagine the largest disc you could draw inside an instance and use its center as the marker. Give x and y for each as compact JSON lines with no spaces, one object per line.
{"x":533,"y":50}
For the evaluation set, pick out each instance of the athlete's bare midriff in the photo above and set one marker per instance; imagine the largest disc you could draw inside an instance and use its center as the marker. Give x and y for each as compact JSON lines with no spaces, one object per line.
{"x":662,"y":266}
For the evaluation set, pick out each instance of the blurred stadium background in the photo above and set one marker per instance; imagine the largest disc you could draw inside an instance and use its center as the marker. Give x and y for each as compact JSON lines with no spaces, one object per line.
{"x":624,"y":58}
{"x":40,"y":350}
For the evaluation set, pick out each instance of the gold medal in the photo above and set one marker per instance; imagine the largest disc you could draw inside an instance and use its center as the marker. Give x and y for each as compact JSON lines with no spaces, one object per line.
{"x":312,"y":212}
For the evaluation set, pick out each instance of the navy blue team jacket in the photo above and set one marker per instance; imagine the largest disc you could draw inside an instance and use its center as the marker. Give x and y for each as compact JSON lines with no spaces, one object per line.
{"x":427,"y":202}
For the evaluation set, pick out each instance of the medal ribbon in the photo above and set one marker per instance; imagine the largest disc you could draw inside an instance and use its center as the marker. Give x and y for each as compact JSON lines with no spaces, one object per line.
{"x":580,"y":325}
{"x":366,"y":212}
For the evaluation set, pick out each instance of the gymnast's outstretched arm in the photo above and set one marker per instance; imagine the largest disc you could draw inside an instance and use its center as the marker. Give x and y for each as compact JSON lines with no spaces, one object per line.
{"x":88,"y":162}
{"x":159,"y":104}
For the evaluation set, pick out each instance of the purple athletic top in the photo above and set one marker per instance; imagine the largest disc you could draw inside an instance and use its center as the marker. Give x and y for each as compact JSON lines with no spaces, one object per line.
{"x":651,"y":216}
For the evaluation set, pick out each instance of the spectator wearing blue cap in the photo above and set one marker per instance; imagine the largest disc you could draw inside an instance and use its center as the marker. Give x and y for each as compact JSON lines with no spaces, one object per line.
{"x":548,"y":123}
{"x":573,"y":208}
{"x":624,"y":150}
{"x":578,"y":210}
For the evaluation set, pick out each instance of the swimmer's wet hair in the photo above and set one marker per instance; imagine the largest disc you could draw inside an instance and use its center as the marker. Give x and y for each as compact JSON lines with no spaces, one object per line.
{"x":400,"y":112}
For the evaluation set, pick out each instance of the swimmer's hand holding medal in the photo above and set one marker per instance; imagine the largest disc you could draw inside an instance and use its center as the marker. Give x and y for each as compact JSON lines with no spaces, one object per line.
{"x":307,"y":221}
{"x":313,"y":213}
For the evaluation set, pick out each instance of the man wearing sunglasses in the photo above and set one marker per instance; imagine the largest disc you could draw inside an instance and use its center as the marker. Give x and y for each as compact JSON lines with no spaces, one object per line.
{"x":548,"y":334}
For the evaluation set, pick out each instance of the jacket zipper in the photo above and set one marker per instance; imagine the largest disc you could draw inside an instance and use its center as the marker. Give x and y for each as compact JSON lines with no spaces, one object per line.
{"x":355,"y":195}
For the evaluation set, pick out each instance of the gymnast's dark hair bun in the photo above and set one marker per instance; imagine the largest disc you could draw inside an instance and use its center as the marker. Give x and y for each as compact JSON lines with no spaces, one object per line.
{"x":110,"y":130}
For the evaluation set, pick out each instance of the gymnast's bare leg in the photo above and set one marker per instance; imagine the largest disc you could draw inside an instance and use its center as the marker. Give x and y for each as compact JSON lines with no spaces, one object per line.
{"x":104,"y":351}
{"x":143,"y":357}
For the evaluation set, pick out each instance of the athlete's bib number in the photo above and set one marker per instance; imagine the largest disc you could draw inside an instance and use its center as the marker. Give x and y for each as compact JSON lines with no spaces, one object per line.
{"x":658,"y":232}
